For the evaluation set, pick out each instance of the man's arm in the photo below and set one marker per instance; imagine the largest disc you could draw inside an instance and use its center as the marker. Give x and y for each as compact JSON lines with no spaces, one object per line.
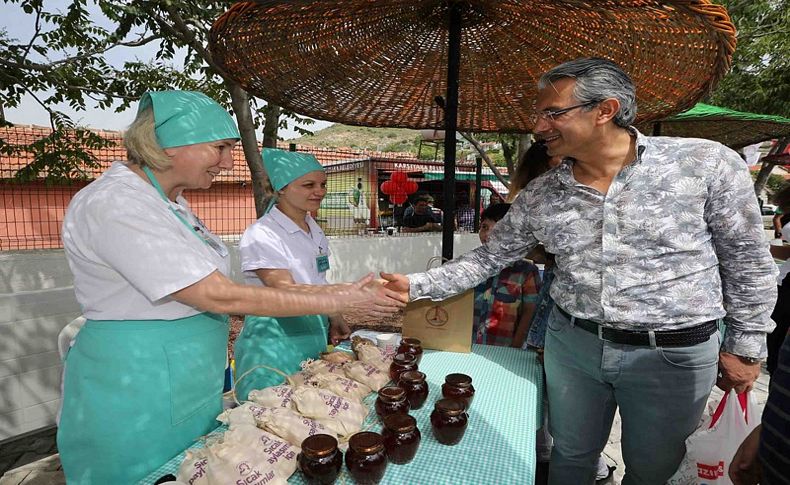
{"x":777,"y":221}
{"x":747,"y":269}
{"x":510,"y":241}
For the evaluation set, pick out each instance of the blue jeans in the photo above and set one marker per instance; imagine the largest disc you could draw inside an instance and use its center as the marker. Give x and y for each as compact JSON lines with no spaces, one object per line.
{"x":661,"y":393}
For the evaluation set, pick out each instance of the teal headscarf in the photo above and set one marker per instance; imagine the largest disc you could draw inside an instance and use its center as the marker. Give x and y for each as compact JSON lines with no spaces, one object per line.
{"x":187,"y":117}
{"x":284,"y":167}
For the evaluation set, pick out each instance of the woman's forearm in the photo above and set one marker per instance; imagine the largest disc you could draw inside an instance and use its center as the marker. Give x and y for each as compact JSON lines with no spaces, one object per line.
{"x":217,"y":293}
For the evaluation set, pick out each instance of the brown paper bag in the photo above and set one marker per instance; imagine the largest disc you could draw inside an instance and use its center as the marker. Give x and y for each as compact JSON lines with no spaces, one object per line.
{"x":441,"y":325}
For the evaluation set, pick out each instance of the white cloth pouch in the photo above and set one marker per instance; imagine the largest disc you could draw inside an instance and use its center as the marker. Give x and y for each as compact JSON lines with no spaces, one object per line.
{"x":374,"y":356}
{"x":341,"y":415}
{"x":367,"y":374}
{"x":293,"y":427}
{"x":273,"y":397}
{"x":342,"y":386}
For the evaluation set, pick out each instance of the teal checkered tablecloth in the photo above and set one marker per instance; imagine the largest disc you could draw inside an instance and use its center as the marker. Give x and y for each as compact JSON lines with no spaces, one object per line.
{"x":499,"y":444}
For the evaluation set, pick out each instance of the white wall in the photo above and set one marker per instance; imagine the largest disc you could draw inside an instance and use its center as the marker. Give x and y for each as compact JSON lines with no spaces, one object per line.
{"x":37,"y":301}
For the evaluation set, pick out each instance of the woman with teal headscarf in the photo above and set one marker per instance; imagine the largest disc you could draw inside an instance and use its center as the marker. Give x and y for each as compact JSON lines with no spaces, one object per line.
{"x":285,"y":247}
{"x":144,"y":376}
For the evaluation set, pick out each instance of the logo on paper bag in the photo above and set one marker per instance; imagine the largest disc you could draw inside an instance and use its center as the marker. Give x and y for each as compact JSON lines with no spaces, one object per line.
{"x":243,"y":468}
{"x":437,"y":316}
{"x":710,"y":472}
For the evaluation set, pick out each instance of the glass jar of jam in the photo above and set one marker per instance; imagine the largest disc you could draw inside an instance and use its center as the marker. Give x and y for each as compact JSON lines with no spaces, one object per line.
{"x":459,"y":386}
{"x":366,"y":459}
{"x":391,"y":400}
{"x":402,"y":363}
{"x":411,"y":346}
{"x":413,"y":382}
{"x":320,"y":460}
{"x":401,"y":438}
{"x":449,"y":420}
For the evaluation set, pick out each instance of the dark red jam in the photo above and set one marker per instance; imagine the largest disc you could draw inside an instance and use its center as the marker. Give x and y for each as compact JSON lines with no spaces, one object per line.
{"x":413,"y":382}
{"x":402,"y":363}
{"x":411,"y":346}
{"x":320,"y":460}
{"x":459,"y":386}
{"x":366,"y":458}
{"x":391,"y":400}
{"x":401,"y":438}
{"x":449,"y":420}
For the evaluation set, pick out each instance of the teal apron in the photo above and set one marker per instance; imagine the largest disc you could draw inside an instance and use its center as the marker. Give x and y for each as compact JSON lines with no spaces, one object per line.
{"x":137,"y":393}
{"x":282,"y":343}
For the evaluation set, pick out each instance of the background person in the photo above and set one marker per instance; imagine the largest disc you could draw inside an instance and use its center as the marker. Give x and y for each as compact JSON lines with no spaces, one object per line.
{"x":422,"y":219}
{"x":144,"y":377}
{"x":505,"y":303}
{"x":285,"y":247}
{"x":764,"y":456}
{"x":656,"y":238}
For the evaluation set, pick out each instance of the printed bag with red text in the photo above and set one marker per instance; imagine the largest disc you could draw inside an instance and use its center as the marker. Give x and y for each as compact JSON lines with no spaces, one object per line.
{"x":709,"y":450}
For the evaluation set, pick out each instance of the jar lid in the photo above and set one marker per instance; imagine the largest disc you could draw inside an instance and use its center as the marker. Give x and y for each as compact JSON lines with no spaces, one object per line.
{"x":400,"y":422}
{"x":392,"y":393}
{"x":412,"y":376}
{"x":450,"y":407}
{"x":458,"y":380}
{"x":319,"y":445}
{"x":413,"y":342}
{"x":405,"y":359}
{"x":366,"y":442}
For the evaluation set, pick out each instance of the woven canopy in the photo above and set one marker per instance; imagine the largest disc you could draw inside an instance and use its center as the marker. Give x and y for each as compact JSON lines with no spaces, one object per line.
{"x":383,"y":62}
{"x":735,"y":129}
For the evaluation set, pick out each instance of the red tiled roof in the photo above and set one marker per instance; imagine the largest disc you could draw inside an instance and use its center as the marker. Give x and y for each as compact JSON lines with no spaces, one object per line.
{"x":26,"y":134}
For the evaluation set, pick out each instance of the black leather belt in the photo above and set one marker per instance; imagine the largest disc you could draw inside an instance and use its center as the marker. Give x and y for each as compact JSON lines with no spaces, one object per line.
{"x":664,"y":338}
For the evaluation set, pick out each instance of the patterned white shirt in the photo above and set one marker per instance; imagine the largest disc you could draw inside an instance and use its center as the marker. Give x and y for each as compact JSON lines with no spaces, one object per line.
{"x":677,"y":240}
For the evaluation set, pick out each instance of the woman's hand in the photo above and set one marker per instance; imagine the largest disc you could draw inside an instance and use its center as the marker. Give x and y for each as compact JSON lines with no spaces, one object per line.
{"x":368,"y":299}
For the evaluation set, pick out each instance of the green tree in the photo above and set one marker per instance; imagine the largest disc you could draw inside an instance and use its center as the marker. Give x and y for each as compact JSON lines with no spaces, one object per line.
{"x":64,"y":61}
{"x":760,"y":77}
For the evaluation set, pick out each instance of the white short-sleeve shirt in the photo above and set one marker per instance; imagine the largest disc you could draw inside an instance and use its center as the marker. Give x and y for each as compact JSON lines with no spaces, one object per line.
{"x":275,"y":242}
{"x":128,"y":251}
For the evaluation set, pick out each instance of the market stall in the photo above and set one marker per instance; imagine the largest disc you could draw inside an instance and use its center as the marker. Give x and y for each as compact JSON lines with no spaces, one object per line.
{"x":499,"y":443}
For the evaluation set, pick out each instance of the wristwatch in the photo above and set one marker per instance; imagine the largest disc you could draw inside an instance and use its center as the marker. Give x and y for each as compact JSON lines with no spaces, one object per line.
{"x":751,"y":360}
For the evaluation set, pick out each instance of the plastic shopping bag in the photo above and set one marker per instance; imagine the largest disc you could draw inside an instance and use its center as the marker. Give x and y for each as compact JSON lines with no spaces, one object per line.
{"x":710,"y":449}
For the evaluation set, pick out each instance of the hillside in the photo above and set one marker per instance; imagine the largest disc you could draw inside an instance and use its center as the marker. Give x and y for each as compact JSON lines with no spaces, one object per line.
{"x":360,"y":137}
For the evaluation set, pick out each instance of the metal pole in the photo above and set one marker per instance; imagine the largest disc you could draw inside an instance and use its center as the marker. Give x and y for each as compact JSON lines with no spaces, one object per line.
{"x":478,"y":186}
{"x":450,"y":126}
{"x":657,"y":128}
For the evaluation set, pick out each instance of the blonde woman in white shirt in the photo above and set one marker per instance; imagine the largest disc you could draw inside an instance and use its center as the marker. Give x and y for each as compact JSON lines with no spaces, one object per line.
{"x":285,"y":247}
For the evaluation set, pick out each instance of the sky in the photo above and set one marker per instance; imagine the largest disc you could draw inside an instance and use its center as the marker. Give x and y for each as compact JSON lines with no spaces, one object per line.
{"x":19,"y":25}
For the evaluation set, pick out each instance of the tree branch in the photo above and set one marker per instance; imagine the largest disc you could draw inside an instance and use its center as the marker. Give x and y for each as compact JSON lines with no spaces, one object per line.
{"x":35,"y":34}
{"x":471,"y":139}
{"x":101,"y":50}
{"x":181,"y":30}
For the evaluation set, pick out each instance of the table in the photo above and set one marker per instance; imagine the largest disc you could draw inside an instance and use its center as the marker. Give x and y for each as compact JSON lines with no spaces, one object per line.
{"x":499,"y":444}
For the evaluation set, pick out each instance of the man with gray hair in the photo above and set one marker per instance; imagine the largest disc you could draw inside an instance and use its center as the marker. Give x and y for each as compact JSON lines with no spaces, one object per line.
{"x":656,"y":239}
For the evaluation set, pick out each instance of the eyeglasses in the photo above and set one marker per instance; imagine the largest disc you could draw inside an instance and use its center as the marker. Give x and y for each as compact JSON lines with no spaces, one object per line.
{"x":550,"y":114}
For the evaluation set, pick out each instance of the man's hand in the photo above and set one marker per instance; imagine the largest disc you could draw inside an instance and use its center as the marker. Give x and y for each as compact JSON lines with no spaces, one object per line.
{"x":745,"y":468}
{"x":398,"y":283}
{"x":736,"y":372}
